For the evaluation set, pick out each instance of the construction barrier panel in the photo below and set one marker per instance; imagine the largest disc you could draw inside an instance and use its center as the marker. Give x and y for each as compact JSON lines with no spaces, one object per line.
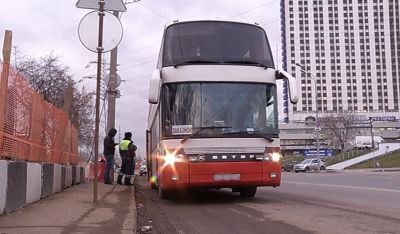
{"x":32,"y":129}
{"x":102,"y":168}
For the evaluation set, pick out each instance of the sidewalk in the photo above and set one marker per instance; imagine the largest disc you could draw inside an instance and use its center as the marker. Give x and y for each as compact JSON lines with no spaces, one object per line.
{"x":73,"y":211}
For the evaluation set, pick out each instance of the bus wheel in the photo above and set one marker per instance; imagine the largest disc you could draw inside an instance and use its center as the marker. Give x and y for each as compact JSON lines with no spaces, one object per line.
{"x":152,"y":185}
{"x":152,"y":182}
{"x":162,"y":193}
{"x":248,"y":191}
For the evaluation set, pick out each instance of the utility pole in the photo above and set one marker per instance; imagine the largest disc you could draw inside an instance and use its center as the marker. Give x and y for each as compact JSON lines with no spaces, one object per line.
{"x":372,"y":141}
{"x":112,"y":86}
{"x":317,"y":121}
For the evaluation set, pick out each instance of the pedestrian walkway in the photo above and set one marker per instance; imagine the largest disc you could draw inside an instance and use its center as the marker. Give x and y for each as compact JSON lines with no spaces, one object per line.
{"x":383,"y":148}
{"x":73,"y":211}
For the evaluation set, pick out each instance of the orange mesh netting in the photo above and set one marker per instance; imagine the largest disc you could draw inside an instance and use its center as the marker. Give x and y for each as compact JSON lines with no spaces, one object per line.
{"x":32,"y":129}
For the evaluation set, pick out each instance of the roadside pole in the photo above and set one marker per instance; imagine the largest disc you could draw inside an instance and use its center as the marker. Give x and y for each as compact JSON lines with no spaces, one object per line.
{"x":96,"y":133}
{"x":113,"y":38}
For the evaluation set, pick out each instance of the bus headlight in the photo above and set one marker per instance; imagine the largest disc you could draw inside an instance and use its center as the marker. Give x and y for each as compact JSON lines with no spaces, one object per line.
{"x":169,"y":158}
{"x":272,"y":154}
{"x":276,"y":157}
{"x":173,"y":156}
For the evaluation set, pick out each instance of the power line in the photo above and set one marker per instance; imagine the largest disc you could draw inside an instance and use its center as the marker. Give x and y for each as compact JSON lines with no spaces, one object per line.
{"x":252,"y":9}
{"x":155,"y":12}
{"x":270,"y":21}
{"x":141,"y":48}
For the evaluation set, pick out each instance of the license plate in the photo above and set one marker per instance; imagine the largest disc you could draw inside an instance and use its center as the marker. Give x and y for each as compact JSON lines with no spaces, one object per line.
{"x":226,"y":177}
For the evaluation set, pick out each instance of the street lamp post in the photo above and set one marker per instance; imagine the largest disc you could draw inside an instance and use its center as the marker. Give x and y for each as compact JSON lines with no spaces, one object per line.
{"x":317,"y":125}
{"x":372,"y":141}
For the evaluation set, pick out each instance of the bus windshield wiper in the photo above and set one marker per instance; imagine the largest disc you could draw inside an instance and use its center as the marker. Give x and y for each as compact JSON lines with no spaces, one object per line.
{"x":253,"y":133}
{"x":200,"y":129}
{"x":198,"y":61}
{"x":246,"y":62}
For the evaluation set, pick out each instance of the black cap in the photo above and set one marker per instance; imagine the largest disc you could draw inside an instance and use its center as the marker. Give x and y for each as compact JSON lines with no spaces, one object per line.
{"x":128,"y":134}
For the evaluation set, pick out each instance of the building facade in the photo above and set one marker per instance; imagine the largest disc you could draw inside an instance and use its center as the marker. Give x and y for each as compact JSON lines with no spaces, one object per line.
{"x":345,"y":56}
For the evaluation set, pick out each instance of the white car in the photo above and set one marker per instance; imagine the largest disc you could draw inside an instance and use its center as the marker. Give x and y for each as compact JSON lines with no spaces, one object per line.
{"x":309,"y":164}
{"x":143,"y":169}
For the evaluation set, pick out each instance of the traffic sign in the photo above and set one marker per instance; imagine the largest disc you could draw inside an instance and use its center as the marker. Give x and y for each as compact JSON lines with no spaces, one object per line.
{"x":322,"y":153}
{"x":89,"y":30}
{"x":110,"y":5}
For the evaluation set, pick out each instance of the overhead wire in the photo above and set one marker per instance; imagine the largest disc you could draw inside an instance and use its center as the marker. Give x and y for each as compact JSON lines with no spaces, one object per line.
{"x":255,"y":8}
{"x":154,"y":11}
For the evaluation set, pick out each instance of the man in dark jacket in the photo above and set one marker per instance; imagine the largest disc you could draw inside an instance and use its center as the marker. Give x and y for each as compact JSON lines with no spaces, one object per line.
{"x":127,"y":151}
{"x":109,"y":150}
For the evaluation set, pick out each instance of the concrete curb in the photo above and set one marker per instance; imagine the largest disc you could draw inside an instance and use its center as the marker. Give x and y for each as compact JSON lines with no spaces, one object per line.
{"x":130,"y":221}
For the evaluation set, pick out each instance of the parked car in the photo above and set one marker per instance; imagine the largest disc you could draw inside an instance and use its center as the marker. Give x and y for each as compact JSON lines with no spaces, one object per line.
{"x":143,"y":169}
{"x":288,"y":166}
{"x":309,"y":164}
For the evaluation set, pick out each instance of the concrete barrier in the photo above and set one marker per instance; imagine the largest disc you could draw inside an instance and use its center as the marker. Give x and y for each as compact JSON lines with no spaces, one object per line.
{"x":73,"y":175}
{"x":83,"y":178}
{"x":63,"y":175}
{"x":57,"y":178}
{"x":22,"y":183}
{"x":48,"y":178}
{"x":16,"y":186}
{"x":34,"y":182}
{"x":68,"y":177}
{"x":78,"y":175}
{"x":3,"y":184}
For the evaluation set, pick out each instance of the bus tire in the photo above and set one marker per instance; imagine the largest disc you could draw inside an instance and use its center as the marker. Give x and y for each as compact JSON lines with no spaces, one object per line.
{"x":163,"y":193}
{"x":248,"y":191}
{"x":152,"y":185}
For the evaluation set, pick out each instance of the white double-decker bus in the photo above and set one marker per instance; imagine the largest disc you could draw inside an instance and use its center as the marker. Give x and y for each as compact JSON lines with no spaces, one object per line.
{"x":213,"y":118}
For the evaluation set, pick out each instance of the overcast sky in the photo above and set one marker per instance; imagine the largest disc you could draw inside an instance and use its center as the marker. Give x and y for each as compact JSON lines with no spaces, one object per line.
{"x":41,"y":27}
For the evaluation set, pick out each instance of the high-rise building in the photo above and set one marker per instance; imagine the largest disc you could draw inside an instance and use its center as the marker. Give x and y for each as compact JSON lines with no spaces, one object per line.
{"x":351,"y":49}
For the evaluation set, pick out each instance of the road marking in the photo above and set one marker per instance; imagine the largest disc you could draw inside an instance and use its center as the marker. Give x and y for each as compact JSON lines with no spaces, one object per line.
{"x":344,"y":186}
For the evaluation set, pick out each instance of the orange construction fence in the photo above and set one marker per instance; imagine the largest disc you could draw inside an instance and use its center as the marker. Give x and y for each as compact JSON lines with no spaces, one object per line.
{"x":32,"y":129}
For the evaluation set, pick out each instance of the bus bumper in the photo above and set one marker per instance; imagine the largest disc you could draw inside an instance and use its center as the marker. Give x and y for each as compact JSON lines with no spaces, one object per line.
{"x":221,"y":175}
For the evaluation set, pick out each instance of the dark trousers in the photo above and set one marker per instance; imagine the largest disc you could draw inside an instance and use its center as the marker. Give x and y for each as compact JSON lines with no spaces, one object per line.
{"x":127,"y":167}
{"x":109,"y":166}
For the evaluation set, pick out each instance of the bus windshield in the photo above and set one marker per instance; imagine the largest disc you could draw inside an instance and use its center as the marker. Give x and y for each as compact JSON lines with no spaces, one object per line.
{"x":219,"y":110}
{"x":216,"y":42}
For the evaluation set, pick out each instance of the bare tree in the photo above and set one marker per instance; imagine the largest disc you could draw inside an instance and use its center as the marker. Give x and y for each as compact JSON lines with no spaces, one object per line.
{"x":50,"y":78}
{"x":337,"y":130}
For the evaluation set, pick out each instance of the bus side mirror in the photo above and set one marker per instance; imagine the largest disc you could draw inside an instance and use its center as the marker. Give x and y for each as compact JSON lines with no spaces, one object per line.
{"x":155,"y":84}
{"x":292,"y":85}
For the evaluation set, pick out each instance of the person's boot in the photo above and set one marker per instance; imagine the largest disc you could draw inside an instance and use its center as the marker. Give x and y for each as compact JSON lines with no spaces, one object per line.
{"x":128,"y":182}
{"x":119,"y":179}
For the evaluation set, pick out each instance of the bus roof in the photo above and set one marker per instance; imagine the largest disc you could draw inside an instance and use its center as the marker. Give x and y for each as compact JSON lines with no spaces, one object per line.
{"x":215,"y":20}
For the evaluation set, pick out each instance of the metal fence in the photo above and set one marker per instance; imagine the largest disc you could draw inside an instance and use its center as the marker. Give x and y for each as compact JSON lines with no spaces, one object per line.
{"x":32,"y":129}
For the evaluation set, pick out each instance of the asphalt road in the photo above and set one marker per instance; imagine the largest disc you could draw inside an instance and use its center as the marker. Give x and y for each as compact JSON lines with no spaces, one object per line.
{"x":362,"y":202}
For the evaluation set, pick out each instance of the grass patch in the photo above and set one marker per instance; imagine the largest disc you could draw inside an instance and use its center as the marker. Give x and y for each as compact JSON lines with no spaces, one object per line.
{"x":387,"y":161}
